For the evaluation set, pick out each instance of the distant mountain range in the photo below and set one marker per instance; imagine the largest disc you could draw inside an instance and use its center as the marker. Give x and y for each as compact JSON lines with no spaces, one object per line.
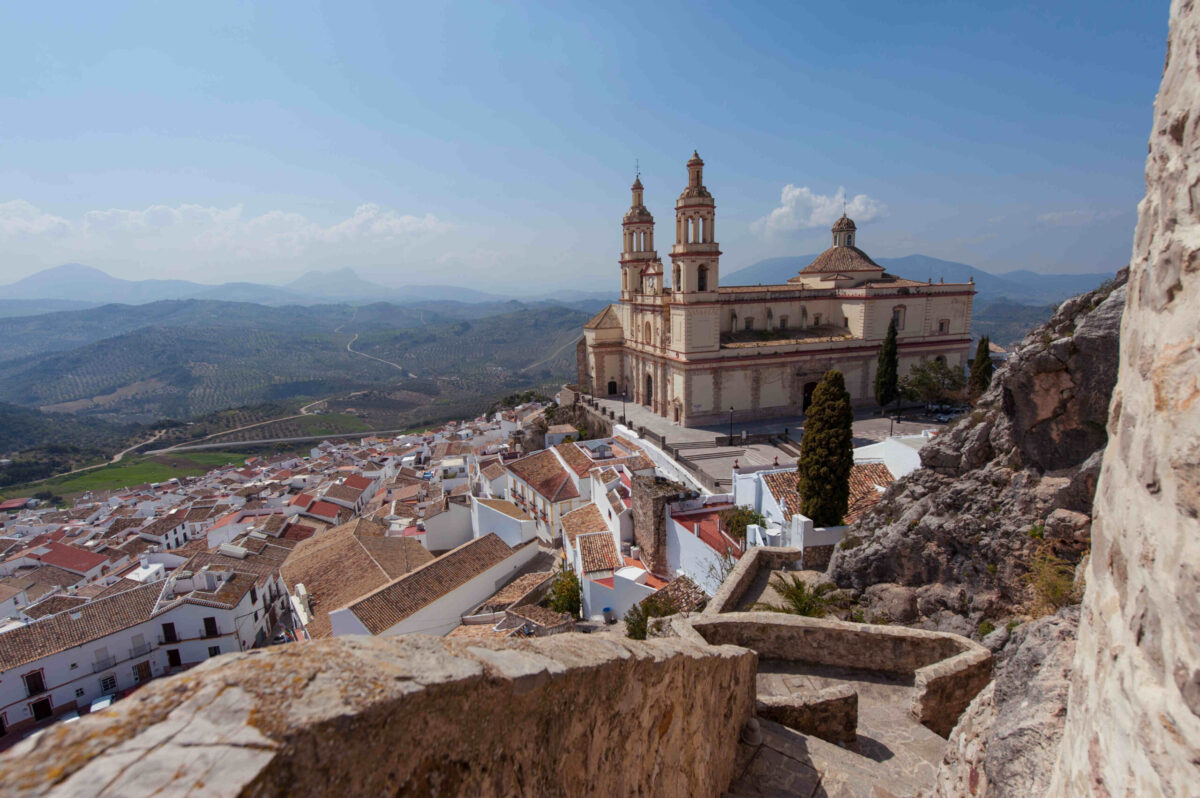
{"x":74,"y":286}
{"x":1024,"y":286}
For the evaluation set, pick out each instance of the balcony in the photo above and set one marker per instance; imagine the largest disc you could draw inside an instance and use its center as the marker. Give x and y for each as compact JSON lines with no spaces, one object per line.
{"x":103,"y":664}
{"x":138,"y":651}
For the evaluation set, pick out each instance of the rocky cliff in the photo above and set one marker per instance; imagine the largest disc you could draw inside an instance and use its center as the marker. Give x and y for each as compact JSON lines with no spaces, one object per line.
{"x":1133,"y":720}
{"x":949,"y":546}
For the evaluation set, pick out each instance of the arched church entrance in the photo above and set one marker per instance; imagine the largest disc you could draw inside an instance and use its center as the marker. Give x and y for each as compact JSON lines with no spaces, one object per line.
{"x":809,"y":387}
{"x":612,"y":387}
{"x":649,"y":401}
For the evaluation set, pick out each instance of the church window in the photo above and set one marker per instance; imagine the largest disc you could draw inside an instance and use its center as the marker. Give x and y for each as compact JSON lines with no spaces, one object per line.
{"x":675,"y":281}
{"x":898,"y":316}
{"x":817,"y":320}
{"x":648,"y":335}
{"x":702,"y":278}
{"x":749,"y":322}
{"x":803,"y":318}
{"x":783,"y":322}
{"x":944,"y":326}
{"x":846,"y":322}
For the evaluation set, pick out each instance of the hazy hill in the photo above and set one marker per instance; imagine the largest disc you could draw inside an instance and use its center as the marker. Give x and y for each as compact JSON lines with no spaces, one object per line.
{"x":184,"y":358}
{"x":1024,"y":286}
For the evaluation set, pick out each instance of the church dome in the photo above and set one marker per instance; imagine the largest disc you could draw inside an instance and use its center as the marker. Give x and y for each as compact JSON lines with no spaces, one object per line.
{"x":842,"y":259}
{"x":844,"y":225}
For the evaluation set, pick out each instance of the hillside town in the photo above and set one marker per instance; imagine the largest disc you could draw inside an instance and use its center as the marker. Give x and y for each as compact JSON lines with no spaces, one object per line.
{"x":459,"y":531}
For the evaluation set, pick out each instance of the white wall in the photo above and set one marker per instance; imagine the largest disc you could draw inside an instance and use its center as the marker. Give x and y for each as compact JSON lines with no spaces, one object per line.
{"x":688,"y":555}
{"x":445,"y":613}
{"x":661,"y":460}
{"x":512,"y":531}
{"x":449,"y":528}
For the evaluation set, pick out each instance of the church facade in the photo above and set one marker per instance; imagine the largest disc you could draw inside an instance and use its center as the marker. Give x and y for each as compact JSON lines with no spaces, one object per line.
{"x":693,"y":349}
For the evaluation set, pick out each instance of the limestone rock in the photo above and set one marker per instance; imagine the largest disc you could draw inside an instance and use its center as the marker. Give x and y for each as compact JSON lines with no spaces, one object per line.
{"x":1006,"y":742}
{"x":1133,"y":723}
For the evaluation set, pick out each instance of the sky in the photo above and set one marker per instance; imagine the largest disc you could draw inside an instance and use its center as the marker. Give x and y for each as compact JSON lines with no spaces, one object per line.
{"x":493,"y":144}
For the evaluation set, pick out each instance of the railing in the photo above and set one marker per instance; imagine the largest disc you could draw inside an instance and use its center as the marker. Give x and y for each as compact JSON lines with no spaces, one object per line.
{"x":205,"y":633}
{"x":138,"y":651}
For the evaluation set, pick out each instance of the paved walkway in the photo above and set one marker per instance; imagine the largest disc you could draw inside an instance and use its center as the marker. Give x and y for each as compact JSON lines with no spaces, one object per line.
{"x":894,"y":755}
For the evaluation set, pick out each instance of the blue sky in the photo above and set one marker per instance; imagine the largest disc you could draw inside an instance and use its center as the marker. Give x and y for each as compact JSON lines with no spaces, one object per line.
{"x":493,"y":144}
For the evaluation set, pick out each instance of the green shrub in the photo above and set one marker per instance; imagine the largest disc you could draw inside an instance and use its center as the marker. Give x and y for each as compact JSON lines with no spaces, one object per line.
{"x":637,"y":620}
{"x":986,"y":628}
{"x":991,"y":568}
{"x":850,"y":542}
{"x":566,"y":594}
{"x":736,"y":519}
{"x":1013,"y":624}
{"x":1052,"y":581}
{"x":1037,"y":531}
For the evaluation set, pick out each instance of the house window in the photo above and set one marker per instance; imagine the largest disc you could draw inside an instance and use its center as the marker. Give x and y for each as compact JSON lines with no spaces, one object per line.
{"x":169,"y":635}
{"x":214,"y":651}
{"x":79,"y":692}
{"x":210,"y":626}
{"x":3,"y":726}
{"x":173,"y":658}
{"x":108,"y":684}
{"x":253,"y":596}
{"x":34,"y":683}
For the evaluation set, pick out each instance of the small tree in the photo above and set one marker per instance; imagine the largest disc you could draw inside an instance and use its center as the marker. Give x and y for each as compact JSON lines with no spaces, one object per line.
{"x":933,"y":381}
{"x":736,"y":519}
{"x":826,"y":453}
{"x":887,"y":371}
{"x":566,"y":594}
{"x":981,"y":368}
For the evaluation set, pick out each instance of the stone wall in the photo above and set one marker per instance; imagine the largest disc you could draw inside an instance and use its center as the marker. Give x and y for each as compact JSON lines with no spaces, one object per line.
{"x":739,"y":580}
{"x":1133,"y":719}
{"x":564,"y":715}
{"x":649,"y":497}
{"x":831,"y":714}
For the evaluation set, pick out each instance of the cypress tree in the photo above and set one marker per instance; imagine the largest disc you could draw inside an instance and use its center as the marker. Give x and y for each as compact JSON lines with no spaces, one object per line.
{"x":981,"y":368}
{"x":826,"y":453}
{"x":887,"y":372}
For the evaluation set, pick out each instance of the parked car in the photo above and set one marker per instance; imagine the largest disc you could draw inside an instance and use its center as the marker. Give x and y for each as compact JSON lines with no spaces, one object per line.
{"x":101,"y":703}
{"x":69,"y":717}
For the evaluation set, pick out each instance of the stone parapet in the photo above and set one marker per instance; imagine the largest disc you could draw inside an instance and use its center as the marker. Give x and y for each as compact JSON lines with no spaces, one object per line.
{"x":563,"y":715}
{"x":944,"y":689}
{"x":739,"y":580}
{"x":831,"y":714}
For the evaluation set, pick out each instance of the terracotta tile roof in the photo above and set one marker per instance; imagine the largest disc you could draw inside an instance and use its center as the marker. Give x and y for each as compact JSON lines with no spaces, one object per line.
{"x":540,"y":616}
{"x":67,"y":557}
{"x":97,"y":619}
{"x":494,"y":471}
{"x":545,"y":474}
{"x":401,"y":597}
{"x":782,"y":485}
{"x":343,"y":493}
{"x":863,"y":494}
{"x":685,"y":594}
{"x":337,"y":567}
{"x":40,"y":580}
{"x":575,"y":459}
{"x":864,"y":477}
{"x":357,"y":482}
{"x":515,"y":590}
{"x":506,"y":507}
{"x":478,"y":631}
{"x":598,"y":552}
{"x":119,"y":586}
{"x":328,"y":511}
{"x":227,"y":595}
{"x":584,"y":521}
{"x":52,"y":605}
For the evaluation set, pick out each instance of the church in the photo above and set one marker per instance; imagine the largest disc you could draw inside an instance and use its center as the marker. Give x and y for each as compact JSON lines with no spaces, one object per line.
{"x":694,"y":349}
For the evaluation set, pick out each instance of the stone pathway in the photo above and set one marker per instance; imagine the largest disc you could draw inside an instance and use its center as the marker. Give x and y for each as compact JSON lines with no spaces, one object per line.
{"x":894,"y":756}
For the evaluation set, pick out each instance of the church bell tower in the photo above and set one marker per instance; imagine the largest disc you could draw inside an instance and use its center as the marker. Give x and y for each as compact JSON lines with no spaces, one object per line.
{"x":695,"y":256}
{"x":637,"y":250}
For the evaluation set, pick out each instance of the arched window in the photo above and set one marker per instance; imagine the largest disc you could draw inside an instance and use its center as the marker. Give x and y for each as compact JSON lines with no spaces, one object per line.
{"x":733,"y":320}
{"x":702,"y":278}
{"x":803,"y":318}
{"x":648,"y":333}
{"x":675,"y":279}
{"x":770,"y":316}
{"x":898,"y":316}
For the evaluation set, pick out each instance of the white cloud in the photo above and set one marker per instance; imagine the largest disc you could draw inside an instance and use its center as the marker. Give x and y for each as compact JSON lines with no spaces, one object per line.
{"x":1076,"y":218}
{"x":197,"y":232}
{"x":19,"y":218}
{"x":799,"y":209}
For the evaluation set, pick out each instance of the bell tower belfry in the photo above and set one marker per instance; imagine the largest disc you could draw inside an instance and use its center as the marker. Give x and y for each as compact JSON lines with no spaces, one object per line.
{"x":696,"y":255}
{"x":637,"y":250}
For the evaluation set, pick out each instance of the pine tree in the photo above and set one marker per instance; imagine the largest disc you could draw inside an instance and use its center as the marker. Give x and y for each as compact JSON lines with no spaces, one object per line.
{"x":981,"y":368}
{"x":826,"y":453}
{"x":887,"y":372}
